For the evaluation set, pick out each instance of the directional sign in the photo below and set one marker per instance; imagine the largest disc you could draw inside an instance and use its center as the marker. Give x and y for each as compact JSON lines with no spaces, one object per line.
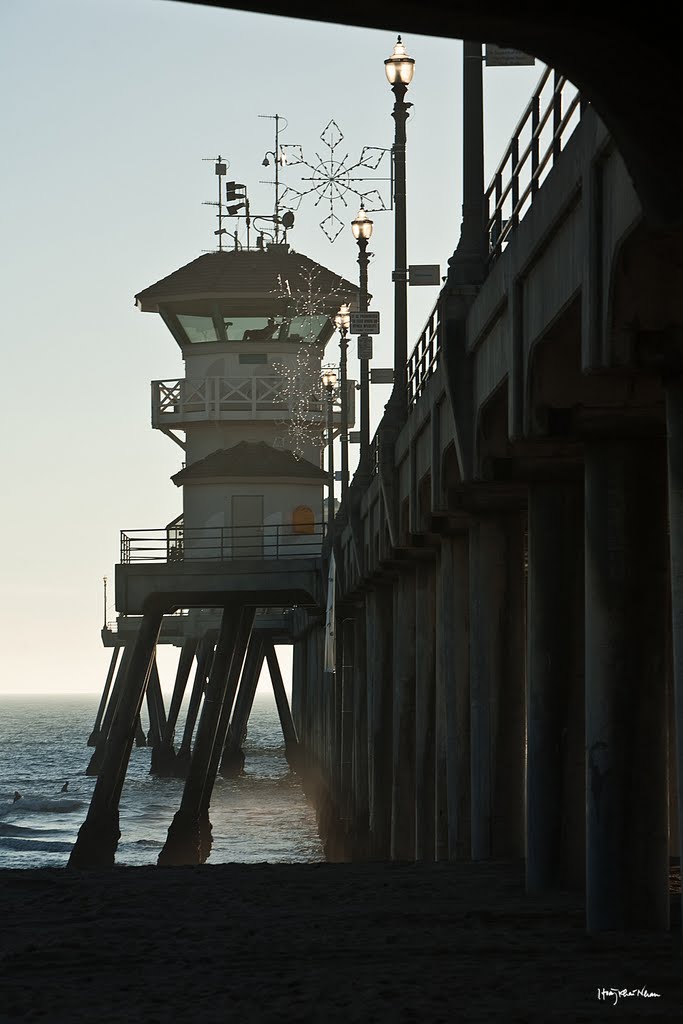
{"x":506,"y":56}
{"x":382,"y":375}
{"x":429,"y":273}
{"x":364,"y":323}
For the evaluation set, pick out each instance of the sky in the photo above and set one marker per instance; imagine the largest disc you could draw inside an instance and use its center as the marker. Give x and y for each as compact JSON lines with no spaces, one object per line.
{"x":111,"y":112}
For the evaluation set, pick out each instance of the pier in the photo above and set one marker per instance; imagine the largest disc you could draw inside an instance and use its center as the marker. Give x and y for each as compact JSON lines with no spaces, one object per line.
{"x":487,"y":631}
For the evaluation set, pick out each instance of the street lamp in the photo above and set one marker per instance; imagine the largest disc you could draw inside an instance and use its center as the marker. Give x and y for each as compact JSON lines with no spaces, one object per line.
{"x":362,"y":232}
{"x":342,"y":321}
{"x":399,"y":68}
{"x":329,"y":382}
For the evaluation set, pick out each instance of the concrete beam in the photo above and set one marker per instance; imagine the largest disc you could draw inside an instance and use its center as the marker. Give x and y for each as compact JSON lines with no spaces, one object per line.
{"x":259,"y":582}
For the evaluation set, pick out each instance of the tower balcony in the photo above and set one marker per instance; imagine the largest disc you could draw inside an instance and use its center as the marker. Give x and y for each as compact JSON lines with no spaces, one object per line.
{"x":178,"y":543}
{"x":177,"y":403}
{"x":268,"y":566}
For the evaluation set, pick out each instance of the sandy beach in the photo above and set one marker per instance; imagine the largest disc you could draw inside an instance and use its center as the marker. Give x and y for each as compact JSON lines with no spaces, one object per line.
{"x":317,"y":942}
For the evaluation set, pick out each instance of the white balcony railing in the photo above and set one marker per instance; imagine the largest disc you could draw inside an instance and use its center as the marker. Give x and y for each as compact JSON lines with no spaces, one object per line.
{"x":175,"y":402}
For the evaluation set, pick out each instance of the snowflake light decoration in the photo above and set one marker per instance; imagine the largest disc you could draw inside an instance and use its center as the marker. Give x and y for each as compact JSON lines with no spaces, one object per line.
{"x":333,"y":178}
{"x":301,"y":384}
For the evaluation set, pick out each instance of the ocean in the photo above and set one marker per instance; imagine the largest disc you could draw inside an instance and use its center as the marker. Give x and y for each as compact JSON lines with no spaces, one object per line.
{"x":261,"y":816}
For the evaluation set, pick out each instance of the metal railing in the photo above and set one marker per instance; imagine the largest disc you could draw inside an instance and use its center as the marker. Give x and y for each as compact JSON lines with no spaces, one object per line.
{"x":213,"y":397}
{"x":220,"y":543}
{"x":551,"y":116}
{"x":545,"y":126}
{"x":424,"y":358}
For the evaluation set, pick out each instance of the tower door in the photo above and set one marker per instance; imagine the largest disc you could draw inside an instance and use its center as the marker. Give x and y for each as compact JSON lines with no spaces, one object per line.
{"x":247,"y":525}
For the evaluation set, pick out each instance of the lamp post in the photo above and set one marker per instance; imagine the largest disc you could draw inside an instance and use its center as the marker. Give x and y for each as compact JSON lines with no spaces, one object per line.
{"x":342,"y":321}
{"x":362,"y":232}
{"x":399,"y":68}
{"x":329,"y":380}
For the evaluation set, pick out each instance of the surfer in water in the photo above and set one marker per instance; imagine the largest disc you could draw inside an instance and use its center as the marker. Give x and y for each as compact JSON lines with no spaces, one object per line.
{"x":17,"y":796}
{"x":65,"y":787}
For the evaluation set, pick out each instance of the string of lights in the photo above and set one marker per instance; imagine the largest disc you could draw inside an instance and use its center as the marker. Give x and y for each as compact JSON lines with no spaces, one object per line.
{"x":305,"y":303}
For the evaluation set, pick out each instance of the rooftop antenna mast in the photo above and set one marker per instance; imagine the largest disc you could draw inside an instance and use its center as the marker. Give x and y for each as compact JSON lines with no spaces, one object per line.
{"x":279,"y":159}
{"x":221,"y":168}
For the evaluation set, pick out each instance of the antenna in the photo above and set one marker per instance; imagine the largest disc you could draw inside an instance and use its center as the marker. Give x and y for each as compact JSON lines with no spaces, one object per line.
{"x":221,"y":168}
{"x":279,"y":159}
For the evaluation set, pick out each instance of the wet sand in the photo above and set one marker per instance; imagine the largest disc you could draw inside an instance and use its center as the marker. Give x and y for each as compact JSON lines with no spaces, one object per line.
{"x":316,"y":942}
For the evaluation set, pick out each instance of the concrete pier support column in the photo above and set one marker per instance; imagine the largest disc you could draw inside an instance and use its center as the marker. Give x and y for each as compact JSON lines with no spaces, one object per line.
{"x":284,"y":714}
{"x":99,"y":834}
{"x":163,"y":759}
{"x":348,"y":636}
{"x":140,"y":734}
{"x":302,"y":725}
{"x":319,"y":694}
{"x":155,"y":708}
{"x":555,"y":791}
{"x":360,"y":811}
{"x":232,"y":760}
{"x":403,"y":761}
{"x":625,"y":624}
{"x":497,"y":686}
{"x":298,"y":684}
{"x":334,"y":752}
{"x":674,"y":825}
{"x":311,"y":709}
{"x":244,"y":628}
{"x":314,"y":688}
{"x":242,"y":641}
{"x":95,"y":734}
{"x":204,"y":658}
{"x":674,"y":430}
{"x":183,"y":842}
{"x":97,"y":758}
{"x":379,"y":605}
{"x":425,"y":711}
{"x":453,"y":789}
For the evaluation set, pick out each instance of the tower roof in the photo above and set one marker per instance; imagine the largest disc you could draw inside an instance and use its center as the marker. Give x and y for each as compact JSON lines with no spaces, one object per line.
{"x":250,"y":459}
{"x":244,"y":273}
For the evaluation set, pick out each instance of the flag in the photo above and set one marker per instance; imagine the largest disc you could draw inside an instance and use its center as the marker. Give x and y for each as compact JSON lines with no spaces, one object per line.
{"x":330,"y":648}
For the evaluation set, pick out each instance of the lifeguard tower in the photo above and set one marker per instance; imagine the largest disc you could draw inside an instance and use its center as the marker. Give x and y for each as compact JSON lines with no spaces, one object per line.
{"x":250,"y":416}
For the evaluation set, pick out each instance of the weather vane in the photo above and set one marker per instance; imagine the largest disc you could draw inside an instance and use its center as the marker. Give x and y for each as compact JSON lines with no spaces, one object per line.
{"x":334,"y":177}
